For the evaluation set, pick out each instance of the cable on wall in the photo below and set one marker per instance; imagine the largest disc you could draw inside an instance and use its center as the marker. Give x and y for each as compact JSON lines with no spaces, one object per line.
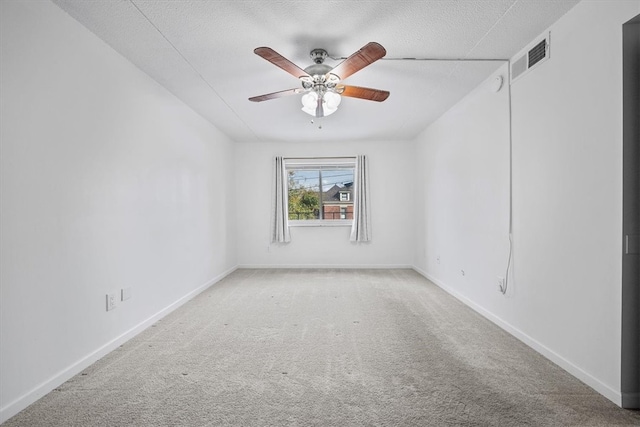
{"x":341,"y":58}
{"x":504,"y":286}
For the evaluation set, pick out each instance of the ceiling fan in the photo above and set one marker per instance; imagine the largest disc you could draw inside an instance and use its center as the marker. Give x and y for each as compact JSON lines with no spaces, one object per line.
{"x":321,"y":84}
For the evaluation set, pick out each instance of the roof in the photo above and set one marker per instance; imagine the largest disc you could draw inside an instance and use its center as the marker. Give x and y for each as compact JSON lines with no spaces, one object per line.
{"x":333,"y":194}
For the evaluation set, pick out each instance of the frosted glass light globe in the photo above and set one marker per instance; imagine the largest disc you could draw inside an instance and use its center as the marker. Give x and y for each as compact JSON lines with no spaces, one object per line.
{"x":332,"y":100}
{"x":310,"y":100}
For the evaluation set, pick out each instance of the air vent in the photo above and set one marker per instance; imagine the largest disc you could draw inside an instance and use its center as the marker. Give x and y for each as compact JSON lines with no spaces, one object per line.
{"x":530,"y":57}
{"x":538,"y":53}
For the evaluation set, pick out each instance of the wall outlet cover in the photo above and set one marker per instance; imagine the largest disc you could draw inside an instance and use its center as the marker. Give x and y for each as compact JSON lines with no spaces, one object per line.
{"x":111,"y":301}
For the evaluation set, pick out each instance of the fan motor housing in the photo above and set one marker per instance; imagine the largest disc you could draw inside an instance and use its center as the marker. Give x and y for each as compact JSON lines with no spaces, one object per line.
{"x":318,"y":69}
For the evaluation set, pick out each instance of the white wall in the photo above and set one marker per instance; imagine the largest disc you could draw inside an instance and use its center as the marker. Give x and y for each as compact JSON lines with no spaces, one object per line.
{"x":108,"y":181}
{"x":391,"y":171}
{"x":462,"y":200}
{"x":565,"y":290}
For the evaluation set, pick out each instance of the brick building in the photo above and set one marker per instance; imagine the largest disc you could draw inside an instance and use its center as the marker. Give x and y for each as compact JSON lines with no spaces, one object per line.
{"x":337,"y":202}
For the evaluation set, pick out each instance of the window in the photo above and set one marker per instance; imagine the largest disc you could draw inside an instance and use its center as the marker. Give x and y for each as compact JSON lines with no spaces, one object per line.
{"x":319,"y":191}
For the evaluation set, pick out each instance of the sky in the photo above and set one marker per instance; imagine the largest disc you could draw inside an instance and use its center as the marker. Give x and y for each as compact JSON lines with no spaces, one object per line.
{"x":310,"y":178}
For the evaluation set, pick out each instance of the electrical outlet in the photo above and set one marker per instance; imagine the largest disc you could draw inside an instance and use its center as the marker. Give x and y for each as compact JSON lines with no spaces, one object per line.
{"x":111,"y":301}
{"x":125,"y":294}
{"x":500,"y":284}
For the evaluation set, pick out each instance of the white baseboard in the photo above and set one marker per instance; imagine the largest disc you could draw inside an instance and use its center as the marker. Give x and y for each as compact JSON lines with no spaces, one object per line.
{"x":327,"y":266}
{"x":39,"y":391}
{"x":585,"y":377}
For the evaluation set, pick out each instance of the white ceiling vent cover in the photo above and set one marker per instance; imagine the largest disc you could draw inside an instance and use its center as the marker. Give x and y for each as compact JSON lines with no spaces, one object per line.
{"x":532,"y":56}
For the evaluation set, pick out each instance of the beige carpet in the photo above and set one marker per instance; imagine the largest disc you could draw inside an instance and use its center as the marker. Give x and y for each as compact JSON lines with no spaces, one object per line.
{"x":324,"y":348}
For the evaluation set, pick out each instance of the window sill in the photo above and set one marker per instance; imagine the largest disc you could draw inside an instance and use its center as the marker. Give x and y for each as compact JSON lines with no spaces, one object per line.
{"x":320,"y":223}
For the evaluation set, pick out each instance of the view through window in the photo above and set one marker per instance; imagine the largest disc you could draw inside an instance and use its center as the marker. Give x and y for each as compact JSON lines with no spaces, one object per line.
{"x":320,"y":192}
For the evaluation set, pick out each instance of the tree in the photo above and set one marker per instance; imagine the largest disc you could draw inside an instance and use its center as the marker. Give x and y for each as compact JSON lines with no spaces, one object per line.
{"x":303,"y":202}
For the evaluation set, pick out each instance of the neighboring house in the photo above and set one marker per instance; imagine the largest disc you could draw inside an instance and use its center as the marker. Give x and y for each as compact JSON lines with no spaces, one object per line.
{"x":337,"y":202}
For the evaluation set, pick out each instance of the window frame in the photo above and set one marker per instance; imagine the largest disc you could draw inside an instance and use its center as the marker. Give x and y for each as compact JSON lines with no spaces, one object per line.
{"x":320,"y":163}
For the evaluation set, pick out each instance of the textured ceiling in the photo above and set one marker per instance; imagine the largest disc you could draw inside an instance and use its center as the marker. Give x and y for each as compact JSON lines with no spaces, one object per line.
{"x":202,"y":51}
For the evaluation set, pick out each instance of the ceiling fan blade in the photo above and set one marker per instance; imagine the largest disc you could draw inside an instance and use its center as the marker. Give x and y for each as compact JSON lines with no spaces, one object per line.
{"x":368,"y":54}
{"x":275,"y":95}
{"x":280,"y":61}
{"x":363,"y":93}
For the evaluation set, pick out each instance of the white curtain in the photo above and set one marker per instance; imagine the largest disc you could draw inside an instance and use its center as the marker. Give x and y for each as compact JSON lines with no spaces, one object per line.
{"x":280,"y":222}
{"x":361,"y":228}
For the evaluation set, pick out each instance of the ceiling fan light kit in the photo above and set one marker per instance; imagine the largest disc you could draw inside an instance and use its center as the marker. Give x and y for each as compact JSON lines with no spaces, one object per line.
{"x":330,"y":102}
{"x":321,"y":84}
